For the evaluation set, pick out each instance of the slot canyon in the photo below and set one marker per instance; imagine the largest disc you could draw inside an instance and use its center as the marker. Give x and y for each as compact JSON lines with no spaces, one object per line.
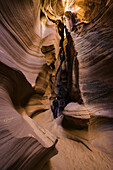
{"x":56,"y":51}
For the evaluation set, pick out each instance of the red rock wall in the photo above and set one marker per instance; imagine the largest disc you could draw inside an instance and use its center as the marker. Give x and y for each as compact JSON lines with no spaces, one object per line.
{"x":94,"y":44}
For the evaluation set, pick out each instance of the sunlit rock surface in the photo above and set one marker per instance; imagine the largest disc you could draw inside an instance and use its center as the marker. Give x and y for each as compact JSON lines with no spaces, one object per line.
{"x":23,"y":34}
{"x":76,"y":115}
{"x":78,"y":156}
{"x":86,"y":10}
{"x":20,"y":45}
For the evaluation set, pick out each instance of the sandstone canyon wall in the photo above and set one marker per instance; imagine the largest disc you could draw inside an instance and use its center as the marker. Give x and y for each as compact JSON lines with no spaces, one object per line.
{"x":22,"y":141}
{"x":94,"y":44}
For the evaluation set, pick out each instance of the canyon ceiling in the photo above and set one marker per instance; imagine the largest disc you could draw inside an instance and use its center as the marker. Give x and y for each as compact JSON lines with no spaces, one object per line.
{"x":29,"y":44}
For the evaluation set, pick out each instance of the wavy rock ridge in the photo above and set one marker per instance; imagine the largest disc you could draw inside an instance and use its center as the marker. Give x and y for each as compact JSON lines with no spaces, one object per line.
{"x":23,"y":143}
{"x":95,"y":55}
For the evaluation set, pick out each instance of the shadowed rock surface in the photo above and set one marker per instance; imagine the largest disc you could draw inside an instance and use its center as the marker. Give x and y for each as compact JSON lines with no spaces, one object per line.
{"x":23,"y":143}
{"x":76,"y":115}
{"x":95,"y":56}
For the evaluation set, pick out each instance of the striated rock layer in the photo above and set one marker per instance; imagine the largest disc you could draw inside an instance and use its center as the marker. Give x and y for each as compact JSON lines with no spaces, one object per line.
{"x":94,"y":44}
{"x":22,"y":34}
{"x":23,"y":143}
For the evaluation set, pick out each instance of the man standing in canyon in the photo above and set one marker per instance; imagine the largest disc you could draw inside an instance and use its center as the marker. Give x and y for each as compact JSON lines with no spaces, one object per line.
{"x":55,"y":107}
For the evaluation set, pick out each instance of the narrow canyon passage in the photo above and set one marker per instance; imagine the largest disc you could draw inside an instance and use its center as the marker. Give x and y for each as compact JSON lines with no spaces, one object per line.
{"x":56,"y":51}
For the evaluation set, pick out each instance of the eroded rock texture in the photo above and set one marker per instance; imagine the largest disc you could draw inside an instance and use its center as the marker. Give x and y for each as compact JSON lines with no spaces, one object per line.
{"x":23,"y":143}
{"x":95,"y":56}
{"x":22,"y":36}
{"x":86,"y":9}
{"x":94,"y":44}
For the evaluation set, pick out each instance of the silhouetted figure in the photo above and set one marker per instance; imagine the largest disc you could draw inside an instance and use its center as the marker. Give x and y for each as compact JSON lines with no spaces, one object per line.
{"x":55,"y":108}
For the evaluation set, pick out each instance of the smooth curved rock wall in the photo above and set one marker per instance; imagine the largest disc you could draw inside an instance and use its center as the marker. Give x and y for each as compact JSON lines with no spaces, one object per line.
{"x":94,"y":44}
{"x":21,"y":35}
{"x":23,"y":143}
{"x":20,"y":45}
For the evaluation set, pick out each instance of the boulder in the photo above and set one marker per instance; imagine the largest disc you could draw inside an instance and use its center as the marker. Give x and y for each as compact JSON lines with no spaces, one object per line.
{"x":76,"y":116}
